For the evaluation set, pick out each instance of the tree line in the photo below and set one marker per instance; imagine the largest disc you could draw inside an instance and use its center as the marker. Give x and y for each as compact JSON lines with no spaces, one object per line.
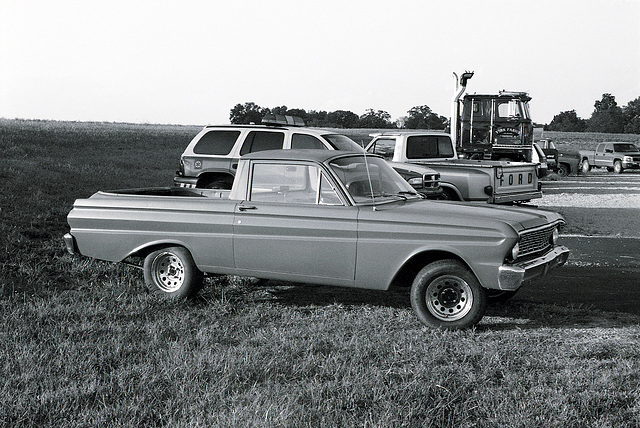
{"x":419,"y":117}
{"x":607,"y":117}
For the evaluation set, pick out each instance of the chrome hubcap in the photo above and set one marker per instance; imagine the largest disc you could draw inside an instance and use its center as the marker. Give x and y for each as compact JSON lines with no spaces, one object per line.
{"x":449,"y":298}
{"x":168,"y":272}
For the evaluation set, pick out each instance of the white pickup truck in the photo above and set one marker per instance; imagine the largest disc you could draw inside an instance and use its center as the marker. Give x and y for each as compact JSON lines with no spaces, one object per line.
{"x":496,"y":182}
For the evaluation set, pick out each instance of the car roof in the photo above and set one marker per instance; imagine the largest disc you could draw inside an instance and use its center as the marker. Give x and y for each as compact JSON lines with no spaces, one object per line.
{"x":316,"y":155}
{"x":410,"y":133}
{"x":318,"y":131}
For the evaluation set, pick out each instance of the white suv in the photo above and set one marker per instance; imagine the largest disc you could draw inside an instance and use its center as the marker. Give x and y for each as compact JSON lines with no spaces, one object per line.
{"x":211,"y":158}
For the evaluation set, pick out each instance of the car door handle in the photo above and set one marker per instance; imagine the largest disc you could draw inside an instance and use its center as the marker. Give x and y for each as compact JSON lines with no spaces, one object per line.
{"x":234,"y":166}
{"x":246,"y":207}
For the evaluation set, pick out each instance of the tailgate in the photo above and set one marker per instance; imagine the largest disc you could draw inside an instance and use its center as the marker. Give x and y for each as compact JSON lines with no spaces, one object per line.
{"x":515,"y":183}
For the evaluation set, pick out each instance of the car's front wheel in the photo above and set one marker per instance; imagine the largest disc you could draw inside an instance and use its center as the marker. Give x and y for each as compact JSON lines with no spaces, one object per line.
{"x":617,"y":167}
{"x":586,"y":166}
{"x":172,"y":272}
{"x":447,"y":294}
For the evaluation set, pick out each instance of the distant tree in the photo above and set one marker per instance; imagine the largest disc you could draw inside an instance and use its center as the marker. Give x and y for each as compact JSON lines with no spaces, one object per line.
{"x":631,"y":116}
{"x":298,"y":112}
{"x":279,"y":110}
{"x":246,"y":113}
{"x":316,"y":118}
{"x":421,"y":117}
{"x":567,"y":121}
{"x":341,"y":119}
{"x":607,"y":116}
{"x":375,"y":119}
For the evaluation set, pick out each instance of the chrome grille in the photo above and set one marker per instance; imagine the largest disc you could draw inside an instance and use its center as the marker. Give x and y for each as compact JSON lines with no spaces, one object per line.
{"x":536,"y":240}
{"x":431,"y":180}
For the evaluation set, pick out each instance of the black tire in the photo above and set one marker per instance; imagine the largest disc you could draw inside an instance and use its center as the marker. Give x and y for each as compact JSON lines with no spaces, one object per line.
{"x":448,"y":194}
{"x":585,"y":167}
{"x":219,"y":185}
{"x":500,"y":296}
{"x":563,"y":170}
{"x":447,"y":294}
{"x":617,"y":167}
{"x":172,"y":272}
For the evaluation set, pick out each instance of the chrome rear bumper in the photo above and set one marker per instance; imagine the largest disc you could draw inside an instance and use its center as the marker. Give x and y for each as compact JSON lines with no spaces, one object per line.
{"x":70,"y":243}
{"x":510,"y":277}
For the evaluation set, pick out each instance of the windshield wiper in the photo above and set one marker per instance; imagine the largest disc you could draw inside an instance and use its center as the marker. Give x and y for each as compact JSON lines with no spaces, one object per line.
{"x":402,"y":194}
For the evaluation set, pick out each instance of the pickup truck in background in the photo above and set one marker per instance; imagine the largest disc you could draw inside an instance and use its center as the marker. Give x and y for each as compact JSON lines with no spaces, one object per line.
{"x":496,"y":182}
{"x":615,"y":156}
{"x":323,"y":217}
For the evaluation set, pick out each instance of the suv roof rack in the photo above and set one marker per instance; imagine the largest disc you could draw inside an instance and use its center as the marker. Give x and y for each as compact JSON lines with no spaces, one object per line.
{"x":271,"y":119}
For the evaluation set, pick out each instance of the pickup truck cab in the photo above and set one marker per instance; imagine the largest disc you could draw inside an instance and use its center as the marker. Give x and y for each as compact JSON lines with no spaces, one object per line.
{"x":615,"y":156}
{"x":499,"y":182}
{"x":324,"y":217}
{"x":210,"y":160}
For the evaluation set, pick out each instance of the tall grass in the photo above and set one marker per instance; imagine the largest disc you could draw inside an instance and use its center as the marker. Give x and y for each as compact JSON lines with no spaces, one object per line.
{"x":85,"y":343}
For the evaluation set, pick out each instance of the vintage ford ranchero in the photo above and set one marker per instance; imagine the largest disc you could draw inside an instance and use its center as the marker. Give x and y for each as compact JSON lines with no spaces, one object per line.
{"x":324,"y":217}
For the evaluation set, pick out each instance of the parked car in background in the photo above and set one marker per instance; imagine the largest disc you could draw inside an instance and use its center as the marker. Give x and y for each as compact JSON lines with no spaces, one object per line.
{"x":569,"y":162}
{"x":210,"y":161}
{"x":615,"y":156}
{"x":491,"y":181}
{"x":540,"y":159}
{"x":551,"y":153}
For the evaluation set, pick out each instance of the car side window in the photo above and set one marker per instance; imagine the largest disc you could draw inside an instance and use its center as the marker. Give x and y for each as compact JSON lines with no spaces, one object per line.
{"x":293,"y":184}
{"x":216,"y":143}
{"x":258,"y":141}
{"x":304,"y":141}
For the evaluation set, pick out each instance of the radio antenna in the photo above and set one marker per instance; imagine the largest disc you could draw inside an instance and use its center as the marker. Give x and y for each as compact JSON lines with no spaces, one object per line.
{"x":366,"y":165}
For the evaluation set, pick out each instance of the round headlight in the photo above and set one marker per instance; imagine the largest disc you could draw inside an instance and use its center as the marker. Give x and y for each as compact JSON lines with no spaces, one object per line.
{"x":515,"y":250}
{"x":554,"y":236}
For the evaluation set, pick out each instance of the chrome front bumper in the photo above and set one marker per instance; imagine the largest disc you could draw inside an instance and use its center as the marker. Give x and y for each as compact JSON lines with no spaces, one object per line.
{"x":510,"y":277}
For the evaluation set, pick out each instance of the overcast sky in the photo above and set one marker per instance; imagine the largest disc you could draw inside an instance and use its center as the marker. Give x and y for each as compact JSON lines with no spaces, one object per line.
{"x":190,"y":62}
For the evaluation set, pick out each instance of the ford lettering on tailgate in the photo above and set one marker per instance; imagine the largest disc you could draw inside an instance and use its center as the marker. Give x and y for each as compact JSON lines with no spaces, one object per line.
{"x":516,"y":179}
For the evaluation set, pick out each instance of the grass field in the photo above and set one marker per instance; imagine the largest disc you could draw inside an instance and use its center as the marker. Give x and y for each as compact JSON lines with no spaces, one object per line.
{"x":84,"y":343}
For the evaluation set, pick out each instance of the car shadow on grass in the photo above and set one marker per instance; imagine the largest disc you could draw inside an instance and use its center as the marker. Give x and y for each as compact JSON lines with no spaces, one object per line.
{"x":530,"y":311}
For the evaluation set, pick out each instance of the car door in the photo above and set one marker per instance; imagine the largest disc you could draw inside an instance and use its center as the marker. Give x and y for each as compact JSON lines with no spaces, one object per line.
{"x":294,"y":222}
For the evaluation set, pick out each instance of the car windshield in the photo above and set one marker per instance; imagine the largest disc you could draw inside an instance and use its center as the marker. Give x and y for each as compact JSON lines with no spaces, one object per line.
{"x":342,"y":142}
{"x":370,"y":179}
{"x":621,"y":148}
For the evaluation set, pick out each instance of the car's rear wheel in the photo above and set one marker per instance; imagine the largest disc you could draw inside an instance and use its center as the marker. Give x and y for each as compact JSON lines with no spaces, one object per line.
{"x":219,"y":185}
{"x":447,"y":294}
{"x":563,"y":170}
{"x":172,"y":272}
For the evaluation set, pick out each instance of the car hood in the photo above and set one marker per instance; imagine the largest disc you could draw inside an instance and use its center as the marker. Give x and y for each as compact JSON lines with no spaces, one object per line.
{"x":473,"y":214}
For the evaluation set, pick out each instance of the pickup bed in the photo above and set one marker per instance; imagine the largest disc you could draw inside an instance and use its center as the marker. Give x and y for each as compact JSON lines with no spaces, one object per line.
{"x":325,"y":217}
{"x":615,"y":156}
{"x":496,"y":182}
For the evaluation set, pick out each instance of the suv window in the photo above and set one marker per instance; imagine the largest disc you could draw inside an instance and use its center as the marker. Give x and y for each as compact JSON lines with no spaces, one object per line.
{"x":304,"y":141}
{"x":216,"y":143}
{"x":429,"y":146}
{"x":258,"y":141}
{"x":342,"y":142}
